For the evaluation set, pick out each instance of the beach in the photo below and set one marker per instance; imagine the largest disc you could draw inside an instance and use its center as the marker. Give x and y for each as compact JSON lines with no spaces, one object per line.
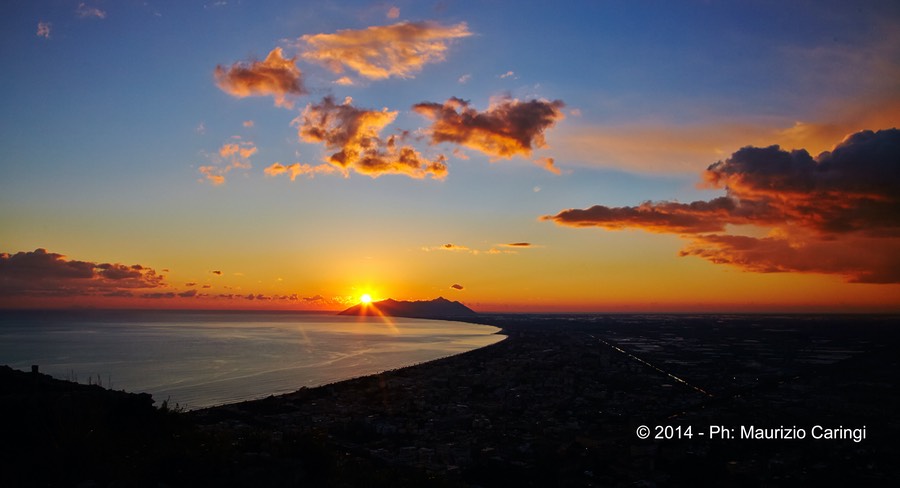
{"x":561,"y":402}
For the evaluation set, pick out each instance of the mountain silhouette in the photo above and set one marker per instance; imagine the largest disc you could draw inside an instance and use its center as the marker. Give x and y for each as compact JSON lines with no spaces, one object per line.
{"x":439,"y":308}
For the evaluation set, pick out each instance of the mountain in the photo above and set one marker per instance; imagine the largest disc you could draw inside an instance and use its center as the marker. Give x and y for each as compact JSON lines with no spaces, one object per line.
{"x":439,"y":308}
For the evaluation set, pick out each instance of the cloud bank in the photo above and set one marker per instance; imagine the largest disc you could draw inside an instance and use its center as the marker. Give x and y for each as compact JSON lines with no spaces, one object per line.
{"x":837,"y":213}
{"x":40,"y":272}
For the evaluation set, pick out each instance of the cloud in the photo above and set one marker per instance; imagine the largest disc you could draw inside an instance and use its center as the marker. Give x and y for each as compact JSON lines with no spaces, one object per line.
{"x":239,"y":150}
{"x":40,"y":272}
{"x":159,"y":295}
{"x":861,"y":259}
{"x":84,"y":11}
{"x":456,"y":286}
{"x":507,"y":128}
{"x":213,"y":174}
{"x":836,"y":213}
{"x":231,"y":155}
{"x":354,"y":134}
{"x":548,"y":164}
{"x":665,"y":217}
{"x":275,"y":76}
{"x":299,"y":169}
{"x":464,"y":78}
{"x":508,"y":74}
{"x":456,"y":248}
{"x":248,"y":123}
{"x":393,"y":12}
{"x":43,"y":29}
{"x":380,"y":52}
{"x":216,"y":272}
{"x":453,"y":247}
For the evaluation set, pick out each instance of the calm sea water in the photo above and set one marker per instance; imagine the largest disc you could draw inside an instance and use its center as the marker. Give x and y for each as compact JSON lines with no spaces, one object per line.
{"x":200,"y":359}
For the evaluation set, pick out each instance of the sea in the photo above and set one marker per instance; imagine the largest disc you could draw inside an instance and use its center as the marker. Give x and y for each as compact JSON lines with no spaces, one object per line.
{"x":198,"y":359}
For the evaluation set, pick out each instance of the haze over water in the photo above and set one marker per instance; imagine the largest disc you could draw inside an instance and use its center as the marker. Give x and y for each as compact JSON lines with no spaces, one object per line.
{"x":200,"y":359}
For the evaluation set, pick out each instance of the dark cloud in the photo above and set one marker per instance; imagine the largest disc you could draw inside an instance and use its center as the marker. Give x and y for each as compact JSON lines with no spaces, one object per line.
{"x":837,"y":213}
{"x":853,"y":187}
{"x":188,"y":294}
{"x":669,"y":217}
{"x":507,"y":128}
{"x":518,"y":244}
{"x":42,"y":272}
{"x":354,"y":134}
{"x":216,"y":272}
{"x":275,"y":76}
{"x":157,"y":296}
{"x":862,"y":259}
{"x":456,"y":286}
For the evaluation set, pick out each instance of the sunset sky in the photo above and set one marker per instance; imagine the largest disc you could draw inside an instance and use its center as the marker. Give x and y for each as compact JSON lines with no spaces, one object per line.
{"x":516,"y":156}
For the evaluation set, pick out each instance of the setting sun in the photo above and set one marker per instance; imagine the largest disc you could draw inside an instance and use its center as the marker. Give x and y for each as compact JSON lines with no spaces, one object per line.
{"x":366,"y":298}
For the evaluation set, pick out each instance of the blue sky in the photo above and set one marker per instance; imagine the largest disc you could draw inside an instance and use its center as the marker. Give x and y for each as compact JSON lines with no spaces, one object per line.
{"x":111,"y":110}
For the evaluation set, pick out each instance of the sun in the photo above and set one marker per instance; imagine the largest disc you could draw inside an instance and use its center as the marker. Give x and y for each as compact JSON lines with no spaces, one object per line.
{"x":365,"y":298}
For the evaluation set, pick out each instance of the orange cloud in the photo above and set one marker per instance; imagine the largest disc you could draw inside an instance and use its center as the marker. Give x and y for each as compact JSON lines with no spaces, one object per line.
{"x":242,"y":150}
{"x":275,"y":76}
{"x":393,"y":12}
{"x":549,"y":164}
{"x":43,"y":273}
{"x":825,"y":209}
{"x":354,"y":134}
{"x":230,"y":156}
{"x":861,"y":259}
{"x":507,"y":128}
{"x":456,"y":248}
{"x":298,"y":169}
{"x":213,"y":174}
{"x":380,"y":52}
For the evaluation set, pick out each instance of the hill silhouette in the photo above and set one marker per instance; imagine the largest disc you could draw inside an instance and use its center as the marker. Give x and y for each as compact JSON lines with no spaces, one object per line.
{"x":439,"y":308}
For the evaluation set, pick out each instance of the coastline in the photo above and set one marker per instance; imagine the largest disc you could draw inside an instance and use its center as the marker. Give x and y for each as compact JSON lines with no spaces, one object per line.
{"x":557,"y":403}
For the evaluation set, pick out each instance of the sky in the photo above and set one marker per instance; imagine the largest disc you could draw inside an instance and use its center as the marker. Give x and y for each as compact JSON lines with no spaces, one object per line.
{"x":517,"y":156}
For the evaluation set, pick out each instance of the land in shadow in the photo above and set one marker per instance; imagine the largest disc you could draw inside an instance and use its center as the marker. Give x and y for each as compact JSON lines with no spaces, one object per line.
{"x":557,"y":403}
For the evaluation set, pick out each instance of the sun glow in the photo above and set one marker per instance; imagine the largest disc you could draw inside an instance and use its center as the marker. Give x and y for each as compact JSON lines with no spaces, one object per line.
{"x":365,"y":298}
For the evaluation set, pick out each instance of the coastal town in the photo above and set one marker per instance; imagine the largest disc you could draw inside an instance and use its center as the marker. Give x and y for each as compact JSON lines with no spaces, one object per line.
{"x":564,"y":400}
{"x":558,"y":404}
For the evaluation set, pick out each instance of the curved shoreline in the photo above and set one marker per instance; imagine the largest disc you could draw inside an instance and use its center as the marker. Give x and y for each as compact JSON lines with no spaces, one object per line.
{"x":555,"y":403}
